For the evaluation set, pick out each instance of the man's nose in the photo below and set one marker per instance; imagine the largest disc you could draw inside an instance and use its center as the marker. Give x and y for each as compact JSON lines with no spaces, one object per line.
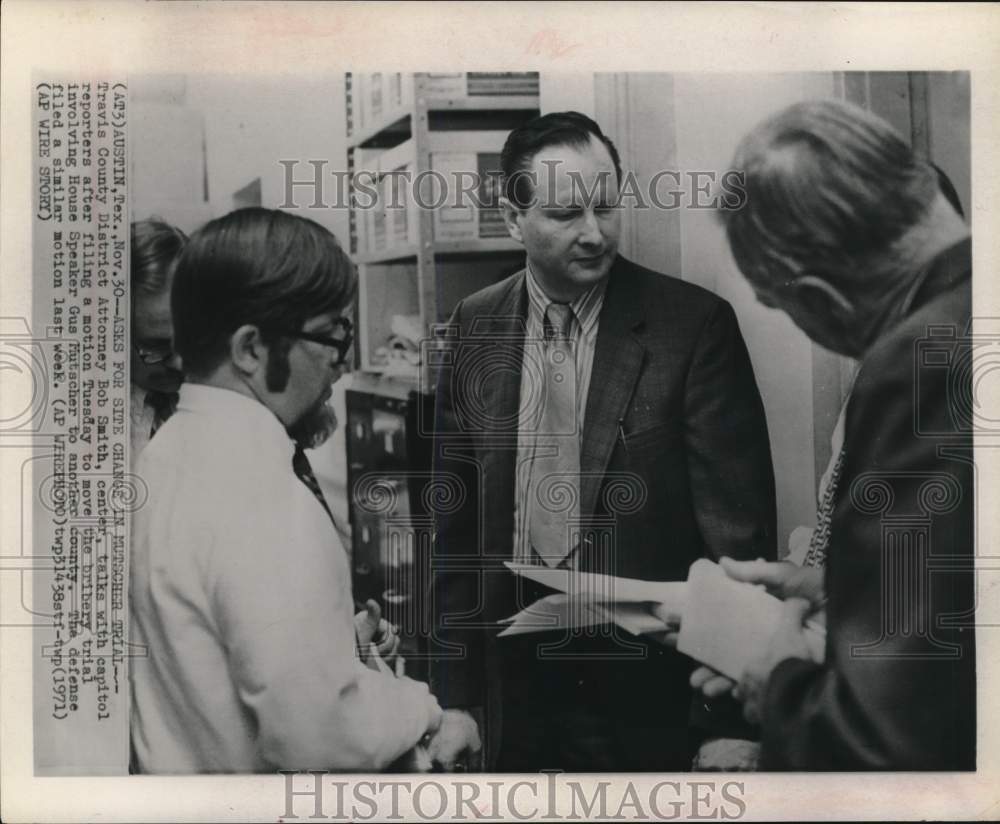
{"x":590,"y":230}
{"x":174,"y":362}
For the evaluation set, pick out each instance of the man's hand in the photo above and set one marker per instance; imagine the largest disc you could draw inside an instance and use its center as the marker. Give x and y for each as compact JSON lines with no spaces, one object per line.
{"x":414,"y":760}
{"x":711,"y":683}
{"x":782,"y":579}
{"x":788,"y":641}
{"x":371,"y":628}
{"x":456,"y":742}
{"x":667,"y":637}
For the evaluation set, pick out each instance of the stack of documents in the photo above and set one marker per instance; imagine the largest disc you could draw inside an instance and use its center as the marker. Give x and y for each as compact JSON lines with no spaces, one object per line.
{"x":589,"y":598}
{"x":721,"y":622}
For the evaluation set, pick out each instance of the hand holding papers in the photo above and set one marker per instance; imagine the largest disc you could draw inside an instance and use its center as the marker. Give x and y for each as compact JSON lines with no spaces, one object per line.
{"x":723,"y":622}
{"x":791,"y":635}
{"x":727,"y":622}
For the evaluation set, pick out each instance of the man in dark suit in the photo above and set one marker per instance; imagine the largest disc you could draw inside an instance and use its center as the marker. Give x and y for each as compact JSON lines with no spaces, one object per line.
{"x":592,"y":415}
{"x":845,"y":229}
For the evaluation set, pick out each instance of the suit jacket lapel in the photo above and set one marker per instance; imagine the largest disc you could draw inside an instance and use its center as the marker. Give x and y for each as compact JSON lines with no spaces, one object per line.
{"x":500,"y":330}
{"x":501,"y":336}
{"x":618,"y":359}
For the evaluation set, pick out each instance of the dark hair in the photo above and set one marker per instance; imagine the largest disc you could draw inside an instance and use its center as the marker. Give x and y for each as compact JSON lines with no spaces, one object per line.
{"x":256,"y":266}
{"x":155,"y":248}
{"x":555,"y":129}
{"x":829,"y":187}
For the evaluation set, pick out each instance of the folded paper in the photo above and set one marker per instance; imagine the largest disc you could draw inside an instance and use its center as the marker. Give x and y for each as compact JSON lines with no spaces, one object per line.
{"x":726,"y":623}
{"x":723,"y":622}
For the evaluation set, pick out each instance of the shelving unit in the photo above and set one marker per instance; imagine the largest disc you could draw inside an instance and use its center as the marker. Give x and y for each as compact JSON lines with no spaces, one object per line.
{"x":419,"y":274}
{"x":411,"y":265}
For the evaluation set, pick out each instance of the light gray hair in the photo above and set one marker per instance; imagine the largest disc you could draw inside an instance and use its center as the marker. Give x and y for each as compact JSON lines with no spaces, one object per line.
{"x":829,"y":188}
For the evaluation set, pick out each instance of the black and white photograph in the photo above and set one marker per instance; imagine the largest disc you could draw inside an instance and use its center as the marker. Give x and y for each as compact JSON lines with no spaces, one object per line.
{"x":595,"y":436}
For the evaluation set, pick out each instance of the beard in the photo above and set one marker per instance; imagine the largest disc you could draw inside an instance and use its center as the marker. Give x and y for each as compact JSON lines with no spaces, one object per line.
{"x":315,"y":426}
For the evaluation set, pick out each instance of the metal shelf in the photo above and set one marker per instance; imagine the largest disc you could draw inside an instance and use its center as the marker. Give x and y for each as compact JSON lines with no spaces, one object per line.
{"x":422,"y":276}
{"x":475,"y":247}
{"x":443,"y":247}
{"x":402,"y":252}
{"x":483,"y":102}
{"x":391,"y":130}
{"x":395,"y":126}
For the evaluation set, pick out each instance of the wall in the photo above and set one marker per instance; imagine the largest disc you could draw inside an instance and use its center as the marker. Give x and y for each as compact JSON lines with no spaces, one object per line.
{"x":235,"y":130}
{"x":949,"y":99}
{"x":559,"y":92}
{"x":681,"y":122}
{"x":712,"y":113}
{"x":692,"y":123}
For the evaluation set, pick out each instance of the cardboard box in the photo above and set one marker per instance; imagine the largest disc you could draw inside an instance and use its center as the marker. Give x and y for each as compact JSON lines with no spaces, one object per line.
{"x":365,"y":170}
{"x":460,"y":159}
{"x":479,"y":84}
{"x":469,"y":215}
{"x":379,"y":97}
{"x":394,"y":221}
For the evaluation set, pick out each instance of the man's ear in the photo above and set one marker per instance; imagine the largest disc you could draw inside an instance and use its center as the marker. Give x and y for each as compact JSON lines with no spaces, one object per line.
{"x":510,"y":217}
{"x":822,"y":298}
{"x":247,"y":349}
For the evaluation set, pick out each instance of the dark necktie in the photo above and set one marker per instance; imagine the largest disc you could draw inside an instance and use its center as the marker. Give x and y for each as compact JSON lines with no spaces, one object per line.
{"x":300,"y":463}
{"x":163,"y":404}
{"x":554,"y":491}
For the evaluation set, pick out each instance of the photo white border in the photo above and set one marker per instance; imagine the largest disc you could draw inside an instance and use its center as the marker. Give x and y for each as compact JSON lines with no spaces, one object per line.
{"x":300,"y":38}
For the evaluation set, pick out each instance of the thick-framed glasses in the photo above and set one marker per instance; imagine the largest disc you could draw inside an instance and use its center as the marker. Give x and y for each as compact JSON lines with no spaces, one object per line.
{"x":341,"y":344}
{"x":153,"y":355}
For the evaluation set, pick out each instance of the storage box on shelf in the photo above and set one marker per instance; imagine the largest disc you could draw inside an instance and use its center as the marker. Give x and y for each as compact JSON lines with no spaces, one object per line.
{"x":461,"y":185}
{"x":378,"y":97}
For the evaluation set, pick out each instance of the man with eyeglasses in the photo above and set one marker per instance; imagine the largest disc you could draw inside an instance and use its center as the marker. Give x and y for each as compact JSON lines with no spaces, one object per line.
{"x":240,"y":588}
{"x":155,"y":374}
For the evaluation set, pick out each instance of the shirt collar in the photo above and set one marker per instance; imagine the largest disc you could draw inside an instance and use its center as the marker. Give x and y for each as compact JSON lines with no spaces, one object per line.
{"x":585,"y":307}
{"x":246,"y":417}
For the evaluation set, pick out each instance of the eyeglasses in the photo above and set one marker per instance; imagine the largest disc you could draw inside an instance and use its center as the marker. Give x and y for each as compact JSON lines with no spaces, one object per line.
{"x":342,"y":345}
{"x":153,"y":355}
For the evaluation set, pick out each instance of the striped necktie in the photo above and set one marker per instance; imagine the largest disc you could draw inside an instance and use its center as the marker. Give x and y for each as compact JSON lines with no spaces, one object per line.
{"x":554,"y":491}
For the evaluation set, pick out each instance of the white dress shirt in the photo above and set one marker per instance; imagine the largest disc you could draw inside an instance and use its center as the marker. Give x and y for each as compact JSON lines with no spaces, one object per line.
{"x":142,"y":417}
{"x":240,"y":592}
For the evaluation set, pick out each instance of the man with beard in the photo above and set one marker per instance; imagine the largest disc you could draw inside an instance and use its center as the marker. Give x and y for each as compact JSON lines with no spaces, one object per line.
{"x":155,"y":377}
{"x":240,"y":588}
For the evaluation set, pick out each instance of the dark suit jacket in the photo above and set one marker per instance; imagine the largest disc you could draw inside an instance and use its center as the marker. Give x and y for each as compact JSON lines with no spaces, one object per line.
{"x":693,"y":479}
{"x":898,"y":690}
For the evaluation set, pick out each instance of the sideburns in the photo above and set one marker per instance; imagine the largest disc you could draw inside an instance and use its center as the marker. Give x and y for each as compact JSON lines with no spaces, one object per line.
{"x":278,"y":369}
